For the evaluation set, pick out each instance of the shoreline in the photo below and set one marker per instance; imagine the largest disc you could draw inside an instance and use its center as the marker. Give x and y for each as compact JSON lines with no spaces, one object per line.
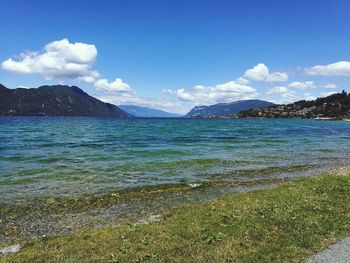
{"x":154,"y":217}
{"x":57,"y":216}
{"x":52,"y":216}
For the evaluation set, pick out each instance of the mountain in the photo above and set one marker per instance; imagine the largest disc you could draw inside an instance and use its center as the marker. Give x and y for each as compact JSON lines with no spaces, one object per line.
{"x":334,"y":106}
{"x":223,"y":109}
{"x":55,"y":100}
{"x":138,"y":111}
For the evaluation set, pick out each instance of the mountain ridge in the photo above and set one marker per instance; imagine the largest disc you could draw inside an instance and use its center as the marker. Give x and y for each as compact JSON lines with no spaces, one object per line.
{"x":222,"y":109}
{"x":140,"y":111}
{"x":54,"y":100}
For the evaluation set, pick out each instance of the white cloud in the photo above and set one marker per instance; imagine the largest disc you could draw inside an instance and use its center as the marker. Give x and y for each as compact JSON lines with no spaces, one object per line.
{"x":261,"y":72}
{"x":183,"y":95}
{"x":341,"y":68}
{"x":326,"y":94}
{"x":302,"y":85}
{"x":281,"y":95}
{"x":242,"y":80}
{"x":233,"y":86}
{"x":118,"y":92}
{"x":90,"y":77}
{"x":308,"y":96}
{"x":225,"y":92}
{"x":330,"y":86}
{"x":58,"y":60}
{"x":133,"y":99}
{"x":277,"y":90}
{"x":232,"y":90}
{"x":116,"y":86}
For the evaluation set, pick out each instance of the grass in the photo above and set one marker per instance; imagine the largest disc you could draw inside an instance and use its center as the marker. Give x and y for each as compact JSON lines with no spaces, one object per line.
{"x":16,"y":219}
{"x":284,"y":224}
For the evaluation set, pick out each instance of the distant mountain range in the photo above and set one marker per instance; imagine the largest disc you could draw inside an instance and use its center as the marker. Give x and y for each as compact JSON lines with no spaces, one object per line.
{"x":224,"y":109}
{"x":335,"y":106}
{"x":139,"y":111}
{"x":61,"y":100}
{"x":55,"y":100}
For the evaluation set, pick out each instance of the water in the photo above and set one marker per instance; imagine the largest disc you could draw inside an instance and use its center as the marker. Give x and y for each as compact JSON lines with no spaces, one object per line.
{"x":58,"y":156}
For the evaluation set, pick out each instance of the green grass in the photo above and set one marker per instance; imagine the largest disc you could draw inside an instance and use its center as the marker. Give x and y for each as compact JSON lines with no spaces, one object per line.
{"x":284,"y":224}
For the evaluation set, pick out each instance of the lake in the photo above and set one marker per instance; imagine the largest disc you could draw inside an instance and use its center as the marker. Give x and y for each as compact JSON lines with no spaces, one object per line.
{"x":72,"y":156}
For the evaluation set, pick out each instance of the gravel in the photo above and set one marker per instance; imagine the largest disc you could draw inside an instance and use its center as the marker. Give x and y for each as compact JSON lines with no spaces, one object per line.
{"x":337,"y":253}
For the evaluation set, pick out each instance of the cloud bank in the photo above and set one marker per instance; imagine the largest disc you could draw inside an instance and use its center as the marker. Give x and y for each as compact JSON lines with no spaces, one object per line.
{"x":58,"y":60}
{"x":238,"y":89}
{"x":226,"y":92}
{"x":341,"y":68}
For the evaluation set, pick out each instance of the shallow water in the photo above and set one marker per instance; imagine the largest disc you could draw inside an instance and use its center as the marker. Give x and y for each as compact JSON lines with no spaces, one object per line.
{"x":58,"y":156}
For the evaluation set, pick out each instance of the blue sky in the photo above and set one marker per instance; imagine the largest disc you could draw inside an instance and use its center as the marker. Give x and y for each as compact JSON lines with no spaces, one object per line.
{"x":176,"y":54}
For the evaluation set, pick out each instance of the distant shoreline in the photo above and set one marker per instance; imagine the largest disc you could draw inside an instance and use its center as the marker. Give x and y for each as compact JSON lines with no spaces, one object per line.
{"x":185,"y":118}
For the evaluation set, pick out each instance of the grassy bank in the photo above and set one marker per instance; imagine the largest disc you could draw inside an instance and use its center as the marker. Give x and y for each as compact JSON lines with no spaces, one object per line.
{"x":283,"y":224}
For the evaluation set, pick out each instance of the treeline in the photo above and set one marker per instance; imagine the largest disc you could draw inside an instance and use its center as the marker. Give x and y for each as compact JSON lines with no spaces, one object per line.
{"x":334,"y":106}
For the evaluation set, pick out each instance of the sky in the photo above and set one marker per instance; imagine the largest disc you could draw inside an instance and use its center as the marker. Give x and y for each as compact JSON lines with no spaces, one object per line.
{"x":176,"y":54}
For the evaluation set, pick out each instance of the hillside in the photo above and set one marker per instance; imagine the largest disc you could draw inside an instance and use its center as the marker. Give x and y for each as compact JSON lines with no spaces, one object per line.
{"x":224,"y":109}
{"x":55,"y":100}
{"x":139,"y":111}
{"x":333,"y":106}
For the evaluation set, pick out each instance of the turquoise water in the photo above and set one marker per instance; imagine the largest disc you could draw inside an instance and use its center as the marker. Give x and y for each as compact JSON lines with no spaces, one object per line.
{"x":54,"y":156}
